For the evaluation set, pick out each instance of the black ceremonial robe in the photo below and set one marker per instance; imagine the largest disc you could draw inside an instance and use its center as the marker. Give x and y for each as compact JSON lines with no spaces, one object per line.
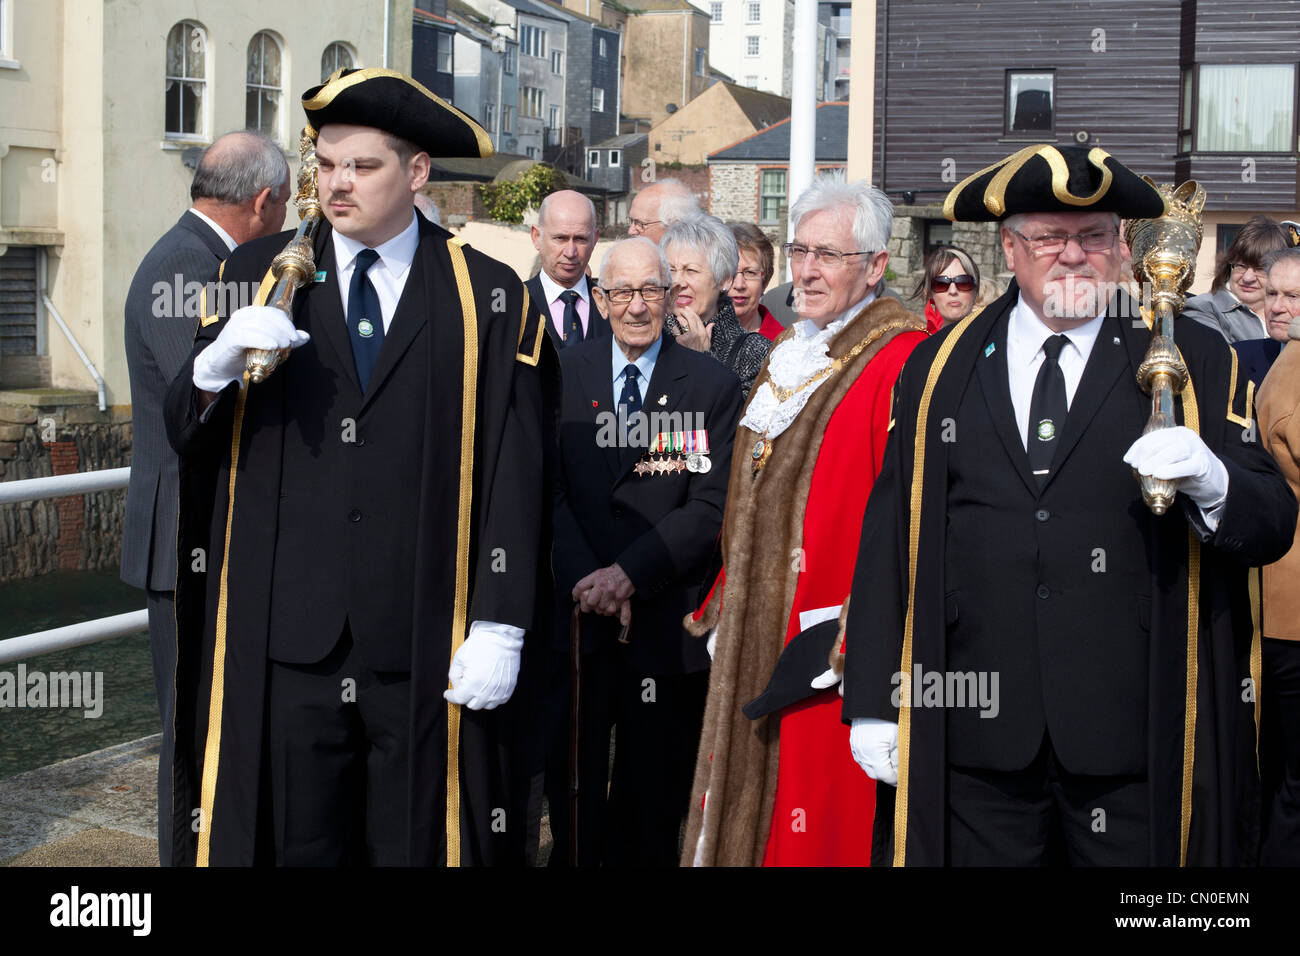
{"x":1075,"y":594}
{"x":410,"y":512}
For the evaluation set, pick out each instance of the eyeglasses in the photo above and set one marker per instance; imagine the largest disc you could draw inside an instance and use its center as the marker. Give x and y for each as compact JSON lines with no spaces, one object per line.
{"x":964,"y":283}
{"x":1240,"y":268}
{"x":749,"y":275}
{"x":826,"y":257}
{"x":643,"y":224}
{"x":1054,"y":245}
{"x":649,"y":293}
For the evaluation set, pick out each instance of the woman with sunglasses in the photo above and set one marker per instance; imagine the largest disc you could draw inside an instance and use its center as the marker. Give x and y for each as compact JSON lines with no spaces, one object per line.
{"x":949,"y":285}
{"x":1234,"y":306}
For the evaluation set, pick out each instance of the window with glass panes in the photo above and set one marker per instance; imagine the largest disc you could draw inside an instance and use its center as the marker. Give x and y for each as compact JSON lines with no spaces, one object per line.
{"x":185,"y":80}
{"x":263,"y":90}
{"x":337,"y":56}
{"x":771,"y":195}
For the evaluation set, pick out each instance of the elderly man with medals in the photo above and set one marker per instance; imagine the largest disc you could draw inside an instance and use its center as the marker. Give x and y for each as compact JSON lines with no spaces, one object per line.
{"x":373,"y":512}
{"x":646,"y":431}
{"x":1052,"y":661}
{"x":774,"y":784}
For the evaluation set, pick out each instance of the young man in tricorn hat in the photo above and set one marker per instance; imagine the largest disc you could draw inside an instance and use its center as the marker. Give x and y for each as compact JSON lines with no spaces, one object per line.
{"x":381,"y":502}
{"x":1045,"y":669}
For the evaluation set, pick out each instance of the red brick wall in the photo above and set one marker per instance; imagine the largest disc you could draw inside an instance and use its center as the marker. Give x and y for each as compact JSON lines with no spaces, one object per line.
{"x":64,"y":460}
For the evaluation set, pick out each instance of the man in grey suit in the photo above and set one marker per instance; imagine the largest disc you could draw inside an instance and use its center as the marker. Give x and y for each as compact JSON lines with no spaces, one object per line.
{"x":240,"y":191}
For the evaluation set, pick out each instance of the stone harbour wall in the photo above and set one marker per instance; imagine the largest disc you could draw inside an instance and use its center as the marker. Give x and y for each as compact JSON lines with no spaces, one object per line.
{"x":54,"y":434}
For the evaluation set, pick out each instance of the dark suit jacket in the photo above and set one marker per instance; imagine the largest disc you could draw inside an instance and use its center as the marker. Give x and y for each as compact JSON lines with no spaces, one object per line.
{"x":1255,"y":357}
{"x":353,"y":466}
{"x":162,"y":312}
{"x":659,"y":528}
{"x":597,"y":324}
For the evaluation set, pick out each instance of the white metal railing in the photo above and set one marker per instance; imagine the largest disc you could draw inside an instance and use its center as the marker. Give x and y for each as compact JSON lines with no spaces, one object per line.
{"x":74,"y":635}
{"x":87,"y":632}
{"x":60,"y":486}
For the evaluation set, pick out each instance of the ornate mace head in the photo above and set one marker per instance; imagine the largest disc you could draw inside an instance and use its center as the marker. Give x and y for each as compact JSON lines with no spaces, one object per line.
{"x":1164,"y":249}
{"x":307,"y":199}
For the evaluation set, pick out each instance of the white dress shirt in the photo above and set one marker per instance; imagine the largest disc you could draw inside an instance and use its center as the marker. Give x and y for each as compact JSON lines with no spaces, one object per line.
{"x":1026,"y":334}
{"x":221,"y":233}
{"x":387,"y":275}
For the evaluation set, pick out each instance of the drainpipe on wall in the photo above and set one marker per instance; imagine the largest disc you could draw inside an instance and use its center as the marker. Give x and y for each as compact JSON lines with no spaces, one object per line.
{"x":67,"y":333}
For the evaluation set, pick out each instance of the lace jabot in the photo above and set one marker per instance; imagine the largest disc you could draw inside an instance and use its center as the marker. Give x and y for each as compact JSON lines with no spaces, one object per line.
{"x":789,"y":365}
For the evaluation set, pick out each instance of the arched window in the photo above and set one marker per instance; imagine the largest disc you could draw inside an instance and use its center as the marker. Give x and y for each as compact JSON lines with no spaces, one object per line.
{"x":337,"y":56}
{"x":262,"y":103}
{"x":186,"y":79}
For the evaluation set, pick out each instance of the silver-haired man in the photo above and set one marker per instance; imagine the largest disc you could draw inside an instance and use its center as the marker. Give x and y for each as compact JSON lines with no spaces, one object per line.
{"x":808,"y":450}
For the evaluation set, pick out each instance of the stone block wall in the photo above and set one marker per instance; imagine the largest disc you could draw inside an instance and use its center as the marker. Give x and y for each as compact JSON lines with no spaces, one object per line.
{"x":733,"y":191}
{"x":52,"y":435}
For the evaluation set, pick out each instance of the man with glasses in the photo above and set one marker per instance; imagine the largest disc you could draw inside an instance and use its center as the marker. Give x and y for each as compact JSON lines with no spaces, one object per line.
{"x":657,"y":207}
{"x":646,"y":430}
{"x":775,"y":784}
{"x":1020,"y":669}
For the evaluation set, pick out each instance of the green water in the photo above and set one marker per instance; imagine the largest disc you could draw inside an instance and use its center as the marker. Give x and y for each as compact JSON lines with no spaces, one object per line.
{"x":31,"y":738}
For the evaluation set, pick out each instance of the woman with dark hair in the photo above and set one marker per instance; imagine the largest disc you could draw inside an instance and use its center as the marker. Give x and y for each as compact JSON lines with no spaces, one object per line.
{"x":1234,"y":306}
{"x":703,"y":259}
{"x":757,"y":263}
{"x":949,"y":285}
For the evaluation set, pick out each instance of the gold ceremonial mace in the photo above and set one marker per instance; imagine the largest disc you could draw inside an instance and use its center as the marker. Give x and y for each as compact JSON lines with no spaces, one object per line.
{"x":295,"y":266}
{"x":1164,"y":260}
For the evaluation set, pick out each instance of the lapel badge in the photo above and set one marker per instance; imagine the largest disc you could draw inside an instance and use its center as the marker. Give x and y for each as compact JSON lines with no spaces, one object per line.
{"x":595,"y":404}
{"x":663,"y":399}
{"x":320,"y":276}
{"x":988,"y":349}
{"x":1115,"y":340}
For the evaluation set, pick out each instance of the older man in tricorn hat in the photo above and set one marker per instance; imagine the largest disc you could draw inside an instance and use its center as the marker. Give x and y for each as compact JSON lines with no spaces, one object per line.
{"x":380,"y":507}
{"x":1045,"y":669}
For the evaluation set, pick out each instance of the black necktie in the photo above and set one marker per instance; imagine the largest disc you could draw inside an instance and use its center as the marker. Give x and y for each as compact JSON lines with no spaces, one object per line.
{"x":365,"y":320}
{"x":1047,"y":410}
{"x":631,"y":394}
{"x":572,"y":323}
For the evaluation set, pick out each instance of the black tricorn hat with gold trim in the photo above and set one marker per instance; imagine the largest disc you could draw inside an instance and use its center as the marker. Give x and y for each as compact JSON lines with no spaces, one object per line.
{"x":1050,"y":178}
{"x":395,"y":103}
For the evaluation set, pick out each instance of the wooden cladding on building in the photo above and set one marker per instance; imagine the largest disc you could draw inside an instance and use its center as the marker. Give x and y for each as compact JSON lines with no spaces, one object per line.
{"x":960,"y":86}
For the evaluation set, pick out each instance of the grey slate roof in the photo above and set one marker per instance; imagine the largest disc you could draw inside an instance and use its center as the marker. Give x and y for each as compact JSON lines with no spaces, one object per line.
{"x":773,"y":144}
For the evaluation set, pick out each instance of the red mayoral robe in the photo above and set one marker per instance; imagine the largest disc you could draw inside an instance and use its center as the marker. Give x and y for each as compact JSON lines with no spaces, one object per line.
{"x":783,"y":790}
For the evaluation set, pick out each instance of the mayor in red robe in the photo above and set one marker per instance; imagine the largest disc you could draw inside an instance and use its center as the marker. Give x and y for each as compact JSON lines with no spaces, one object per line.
{"x":774,"y":782}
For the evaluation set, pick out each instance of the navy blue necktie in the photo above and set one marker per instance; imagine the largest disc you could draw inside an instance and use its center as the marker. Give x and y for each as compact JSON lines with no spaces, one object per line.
{"x":631,"y":394}
{"x":365,"y":320}
{"x":572,"y":323}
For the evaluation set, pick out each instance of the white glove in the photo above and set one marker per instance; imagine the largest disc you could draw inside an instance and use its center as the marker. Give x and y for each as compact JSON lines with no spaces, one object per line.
{"x":827,"y":678}
{"x":1178,"y":454}
{"x":875,"y":748}
{"x":484,"y":671}
{"x":252,"y":327}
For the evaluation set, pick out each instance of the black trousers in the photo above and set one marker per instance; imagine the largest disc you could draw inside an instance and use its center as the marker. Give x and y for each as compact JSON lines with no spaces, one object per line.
{"x":1044,"y":815}
{"x":1280,"y":753}
{"x":338,"y":736}
{"x":633,"y":816}
{"x":162,"y":650}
